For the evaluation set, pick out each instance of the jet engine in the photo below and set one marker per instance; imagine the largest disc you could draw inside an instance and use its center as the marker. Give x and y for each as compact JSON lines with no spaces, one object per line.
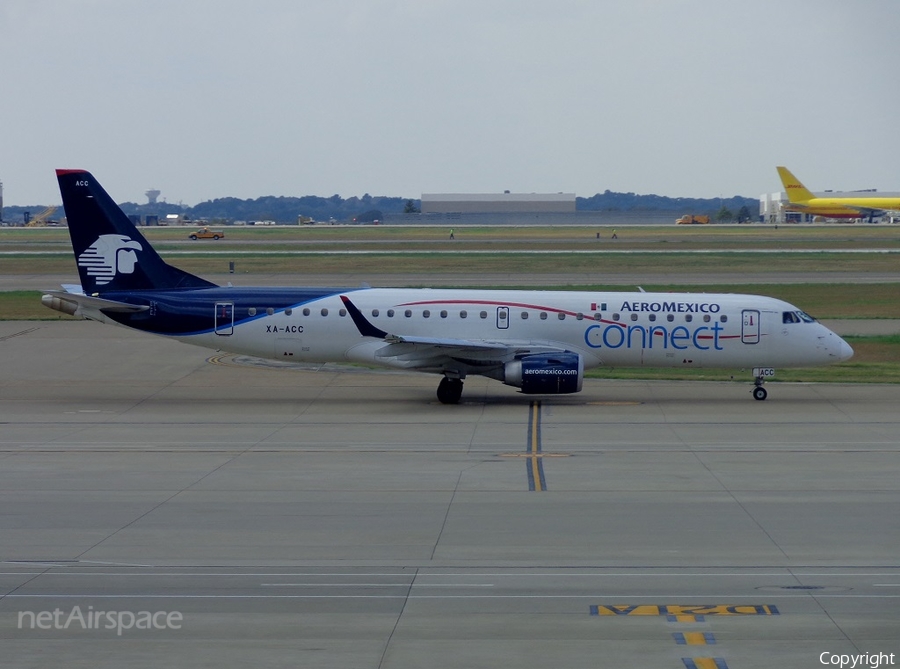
{"x":546,"y":373}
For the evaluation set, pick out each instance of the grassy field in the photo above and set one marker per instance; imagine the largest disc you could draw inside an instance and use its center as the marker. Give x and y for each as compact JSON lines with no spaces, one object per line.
{"x":436,"y":237}
{"x":362,"y":266}
{"x":722,"y":250}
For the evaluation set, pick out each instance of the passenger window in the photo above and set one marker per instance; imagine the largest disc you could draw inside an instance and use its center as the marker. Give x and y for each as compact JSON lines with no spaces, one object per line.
{"x":407,"y":313}
{"x":443,"y":314}
{"x":426,"y":314}
{"x":306,"y":312}
{"x":615,"y":317}
{"x":390,"y":313}
{"x":463,"y":314}
{"x":251,"y":311}
{"x":706,"y":318}
{"x":524,"y":315}
{"x":270,"y":311}
{"x":342,"y":313}
{"x":652,"y":318}
{"x":483,"y":314}
{"x":634,"y":317}
{"x":579,"y":316}
{"x":288,"y":312}
{"x":598,"y":317}
{"x":324,"y":312}
{"x":543,"y":315}
{"x":670,"y":317}
{"x":374,"y":313}
{"x":688,"y":318}
{"x":723,"y":318}
{"x":561,"y":316}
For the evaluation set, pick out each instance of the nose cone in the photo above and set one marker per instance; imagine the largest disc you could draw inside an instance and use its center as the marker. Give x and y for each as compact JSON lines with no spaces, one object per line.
{"x":845,"y":351}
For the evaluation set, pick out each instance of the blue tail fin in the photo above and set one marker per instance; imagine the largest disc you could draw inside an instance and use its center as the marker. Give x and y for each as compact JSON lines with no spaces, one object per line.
{"x":111,"y":253}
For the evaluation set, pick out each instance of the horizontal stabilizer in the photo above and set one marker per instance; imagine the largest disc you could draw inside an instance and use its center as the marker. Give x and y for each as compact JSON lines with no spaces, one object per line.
{"x":69,"y":302}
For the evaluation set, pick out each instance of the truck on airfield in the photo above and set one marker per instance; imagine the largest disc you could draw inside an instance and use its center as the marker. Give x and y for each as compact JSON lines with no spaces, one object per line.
{"x":690,"y":219}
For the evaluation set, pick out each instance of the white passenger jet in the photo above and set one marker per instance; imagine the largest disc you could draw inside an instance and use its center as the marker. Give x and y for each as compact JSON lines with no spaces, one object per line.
{"x":538,"y":341}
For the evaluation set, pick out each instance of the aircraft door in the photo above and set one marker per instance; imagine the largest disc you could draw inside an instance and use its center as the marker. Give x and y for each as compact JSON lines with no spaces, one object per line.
{"x":224,"y":318}
{"x":750,"y":326}
{"x":503,"y":318}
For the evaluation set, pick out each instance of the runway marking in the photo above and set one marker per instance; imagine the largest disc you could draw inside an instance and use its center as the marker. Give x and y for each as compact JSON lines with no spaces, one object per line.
{"x":68,"y":564}
{"x":686,"y":619}
{"x":367,"y":596}
{"x":704,"y":663}
{"x":535,"y":463}
{"x":694,"y":638}
{"x":376,"y":585}
{"x":684,"y":610}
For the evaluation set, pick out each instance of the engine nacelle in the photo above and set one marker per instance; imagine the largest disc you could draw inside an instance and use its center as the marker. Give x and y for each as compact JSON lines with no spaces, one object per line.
{"x":546,"y":373}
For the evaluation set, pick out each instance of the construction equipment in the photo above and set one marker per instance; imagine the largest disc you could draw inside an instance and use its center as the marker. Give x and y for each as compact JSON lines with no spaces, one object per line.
{"x":41,"y":219}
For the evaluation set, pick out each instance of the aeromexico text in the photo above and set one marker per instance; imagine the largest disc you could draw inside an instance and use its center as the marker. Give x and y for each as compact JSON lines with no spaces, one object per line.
{"x":675,"y":307}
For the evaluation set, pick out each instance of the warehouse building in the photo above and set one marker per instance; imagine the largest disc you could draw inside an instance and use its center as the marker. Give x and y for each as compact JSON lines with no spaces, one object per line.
{"x":498,"y":203}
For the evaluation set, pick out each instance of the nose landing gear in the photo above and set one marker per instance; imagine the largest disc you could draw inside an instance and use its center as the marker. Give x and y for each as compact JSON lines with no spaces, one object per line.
{"x":760,"y":374}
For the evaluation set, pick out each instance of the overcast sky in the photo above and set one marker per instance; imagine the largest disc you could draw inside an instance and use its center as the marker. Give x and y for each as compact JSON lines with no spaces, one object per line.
{"x":214,"y":98}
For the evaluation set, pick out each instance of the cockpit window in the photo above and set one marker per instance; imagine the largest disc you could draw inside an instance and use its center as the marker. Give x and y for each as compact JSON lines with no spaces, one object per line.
{"x":796,"y":317}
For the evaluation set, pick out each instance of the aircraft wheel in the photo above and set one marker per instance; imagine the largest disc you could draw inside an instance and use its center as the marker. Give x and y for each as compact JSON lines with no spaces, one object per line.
{"x":760,"y":393}
{"x":449,"y":391}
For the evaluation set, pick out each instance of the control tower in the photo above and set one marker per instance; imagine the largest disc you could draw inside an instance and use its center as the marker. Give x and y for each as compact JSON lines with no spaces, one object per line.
{"x":152,"y":195}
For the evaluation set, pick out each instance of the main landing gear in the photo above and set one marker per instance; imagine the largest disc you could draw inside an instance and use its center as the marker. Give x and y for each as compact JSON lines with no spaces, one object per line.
{"x":449,"y":390}
{"x":759,"y":393}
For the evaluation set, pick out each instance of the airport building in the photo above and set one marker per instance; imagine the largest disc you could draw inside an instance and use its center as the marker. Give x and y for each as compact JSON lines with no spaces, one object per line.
{"x":498,"y":203}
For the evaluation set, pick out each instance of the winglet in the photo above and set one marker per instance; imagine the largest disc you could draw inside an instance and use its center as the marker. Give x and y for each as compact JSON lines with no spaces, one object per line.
{"x":795,"y":190}
{"x":366,"y":329}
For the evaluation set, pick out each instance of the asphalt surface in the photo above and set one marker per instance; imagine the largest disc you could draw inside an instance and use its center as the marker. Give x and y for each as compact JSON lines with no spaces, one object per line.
{"x":338,"y":517}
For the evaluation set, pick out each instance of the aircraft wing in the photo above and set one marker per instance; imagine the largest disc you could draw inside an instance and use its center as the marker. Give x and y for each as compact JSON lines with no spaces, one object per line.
{"x":413,"y":351}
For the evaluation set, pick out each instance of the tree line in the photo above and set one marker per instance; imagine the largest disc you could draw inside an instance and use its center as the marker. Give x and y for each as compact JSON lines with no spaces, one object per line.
{"x":286,"y":209}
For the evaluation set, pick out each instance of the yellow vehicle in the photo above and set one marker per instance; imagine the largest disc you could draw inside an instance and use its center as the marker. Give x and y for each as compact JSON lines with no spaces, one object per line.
{"x":206,"y":233}
{"x":690,"y":219}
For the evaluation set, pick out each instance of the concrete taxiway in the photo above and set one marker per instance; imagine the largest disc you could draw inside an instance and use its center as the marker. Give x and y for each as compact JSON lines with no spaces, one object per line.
{"x":342,"y":517}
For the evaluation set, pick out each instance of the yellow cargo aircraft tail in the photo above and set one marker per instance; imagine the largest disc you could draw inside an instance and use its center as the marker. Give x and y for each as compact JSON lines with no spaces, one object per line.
{"x":795,"y":190}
